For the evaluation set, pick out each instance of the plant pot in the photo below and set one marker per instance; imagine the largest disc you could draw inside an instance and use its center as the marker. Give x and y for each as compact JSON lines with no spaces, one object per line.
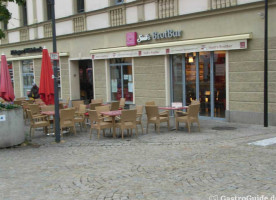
{"x":12,"y":127}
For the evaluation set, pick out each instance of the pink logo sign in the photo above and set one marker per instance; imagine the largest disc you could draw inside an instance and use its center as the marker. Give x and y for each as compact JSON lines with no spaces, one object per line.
{"x":131,"y":38}
{"x":242,"y":45}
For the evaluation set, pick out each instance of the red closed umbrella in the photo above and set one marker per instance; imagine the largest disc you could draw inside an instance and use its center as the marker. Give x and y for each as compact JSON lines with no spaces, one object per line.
{"x":46,"y":86}
{"x":6,"y":89}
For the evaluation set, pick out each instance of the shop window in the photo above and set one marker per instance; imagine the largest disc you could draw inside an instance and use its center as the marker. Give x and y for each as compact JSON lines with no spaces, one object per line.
{"x":27,"y":76}
{"x":48,"y":10}
{"x":121,"y":80}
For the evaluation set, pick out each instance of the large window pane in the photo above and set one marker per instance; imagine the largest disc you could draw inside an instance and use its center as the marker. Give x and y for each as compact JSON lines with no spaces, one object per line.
{"x":116,"y":88}
{"x":219,"y":84}
{"x":204,"y":83}
{"x":128,"y":83}
{"x":190,"y":65}
{"x":27,"y":76}
{"x":177,"y":78}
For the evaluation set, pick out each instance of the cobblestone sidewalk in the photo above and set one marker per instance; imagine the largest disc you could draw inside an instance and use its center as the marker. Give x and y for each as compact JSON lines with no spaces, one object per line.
{"x":170,"y":165}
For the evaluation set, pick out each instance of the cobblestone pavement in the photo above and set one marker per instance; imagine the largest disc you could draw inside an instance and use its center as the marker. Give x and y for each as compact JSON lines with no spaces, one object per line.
{"x":170,"y":165}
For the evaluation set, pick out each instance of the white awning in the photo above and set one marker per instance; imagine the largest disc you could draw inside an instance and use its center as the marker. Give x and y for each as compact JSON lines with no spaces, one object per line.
{"x":206,"y":44}
{"x":34,"y":57}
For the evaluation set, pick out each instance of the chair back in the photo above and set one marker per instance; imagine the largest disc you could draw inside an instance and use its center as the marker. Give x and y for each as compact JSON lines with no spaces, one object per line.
{"x":76,"y":104}
{"x":92,"y":106}
{"x":97,"y":101}
{"x":17,"y":102}
{"x":195,"y":102}
{"x":30,"y":116}
{"x":152,"y":111}
{"x":93,"y":116}
{"x":150,"y":103}
{"x":21,"y":98}
{"x":100,"y":109}
{"x":38,"y":101}
{"x":67,"y":116}
{"x":47,"y":108}
{"x":193,"y":110}
{"x":82,"y":108}
{"x":122,"y":103}
{"x":139,"y":109}
{"x":34,"y":108}
{"x":114,"y":105}
{"x":129,"y":116}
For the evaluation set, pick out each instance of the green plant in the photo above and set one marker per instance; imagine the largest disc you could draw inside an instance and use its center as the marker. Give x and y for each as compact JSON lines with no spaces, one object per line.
{"x":8,"y":106}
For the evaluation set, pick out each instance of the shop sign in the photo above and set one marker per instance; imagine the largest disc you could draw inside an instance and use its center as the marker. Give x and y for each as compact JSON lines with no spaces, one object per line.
{"x":54,"y":56}
{"x":26,"y":50}
{"x":158,"y":36}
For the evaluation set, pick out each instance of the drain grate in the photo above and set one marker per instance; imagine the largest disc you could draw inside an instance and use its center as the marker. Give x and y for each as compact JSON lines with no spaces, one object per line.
{"x":224,"y":128}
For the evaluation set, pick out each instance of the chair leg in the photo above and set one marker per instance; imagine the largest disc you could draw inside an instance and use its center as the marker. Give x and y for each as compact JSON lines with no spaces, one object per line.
{"x":98,"y":132}
{"x":158,"y":128}
{"x":30,"y":134}
{"x":122,"y":132}
{"x":104,"y":132}
{"x":90,"y":133}
{"x":189,"y":127}
{"x":74,"y":129}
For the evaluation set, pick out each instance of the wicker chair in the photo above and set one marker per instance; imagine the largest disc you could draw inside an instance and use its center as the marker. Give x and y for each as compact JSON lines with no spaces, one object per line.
{"x":67,"y":119}
{"x":97,"y":101}
{"x":98,"y":123}
{"x":92,"y":106}
{"x":100,"y":109}
{"x":35,"y":109}
{"x":37,"y":122}
{"x":139,"y":116}
{"x":163,"y":113}
{"x":80,"y":116}
{"x":192,"y":116}
{"x":128,"y":121}
{"x":114,"y":105}
{"x":76,"y":104}
{"x":153,"y":117}
{"x":122,"y":103}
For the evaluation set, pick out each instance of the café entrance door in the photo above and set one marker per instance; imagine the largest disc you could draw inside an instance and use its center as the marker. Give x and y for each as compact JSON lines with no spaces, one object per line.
{"x":200,"y":76}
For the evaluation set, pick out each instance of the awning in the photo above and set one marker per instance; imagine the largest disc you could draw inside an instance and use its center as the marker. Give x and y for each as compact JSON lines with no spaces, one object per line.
{"x":33,"y":57}
{"x":230,"y":42}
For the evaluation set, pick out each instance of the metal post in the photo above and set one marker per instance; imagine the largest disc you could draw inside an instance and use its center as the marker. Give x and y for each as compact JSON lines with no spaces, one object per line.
{"x":265,"y":67}
{"x":57,"y":127}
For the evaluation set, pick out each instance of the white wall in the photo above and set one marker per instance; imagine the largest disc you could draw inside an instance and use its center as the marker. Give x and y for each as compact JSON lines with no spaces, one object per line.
{"x":14,"y":37}
{"x":64,"y":28}
{"x":64,"y":8}
{"x":150,"y":11}
{"x":40,"y":32}
{"x":40,"y":11}
{"x":32,"y":33}
{"x":15,"y":19}
{"x":191,"y":6}
{"x":30,"y":13}
{"x":97,"y":21}
{"x":131,"y":15}
{"x":246,"y":1}
{"x":95,"y":4}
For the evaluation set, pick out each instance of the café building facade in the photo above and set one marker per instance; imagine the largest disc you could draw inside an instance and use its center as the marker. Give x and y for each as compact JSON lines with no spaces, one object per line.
{"x":215,"y":56}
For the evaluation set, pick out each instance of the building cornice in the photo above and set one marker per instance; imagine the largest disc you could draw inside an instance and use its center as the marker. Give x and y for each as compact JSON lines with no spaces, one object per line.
{"x":143,"y":24}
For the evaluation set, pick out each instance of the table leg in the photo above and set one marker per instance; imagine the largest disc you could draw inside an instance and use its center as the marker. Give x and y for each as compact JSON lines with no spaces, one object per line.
{"x":113,"y":124}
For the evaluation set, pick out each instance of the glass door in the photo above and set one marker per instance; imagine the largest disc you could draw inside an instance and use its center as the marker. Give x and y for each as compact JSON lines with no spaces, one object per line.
{"x":200,"y":76}
{"x":28,"y":76}
{"x":121,"y":81}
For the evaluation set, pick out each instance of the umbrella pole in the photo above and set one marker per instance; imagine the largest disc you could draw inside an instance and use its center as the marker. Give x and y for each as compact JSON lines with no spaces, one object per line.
{"x":57,"y":127}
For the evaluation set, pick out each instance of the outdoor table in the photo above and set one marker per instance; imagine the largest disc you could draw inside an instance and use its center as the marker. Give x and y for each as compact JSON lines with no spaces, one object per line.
{"x":112,"y":114}
{"x":174,"y":109}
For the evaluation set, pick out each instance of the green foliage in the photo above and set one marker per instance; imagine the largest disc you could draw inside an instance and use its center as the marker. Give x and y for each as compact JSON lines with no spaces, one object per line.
{"x":5,"y":15}
{"x":8,"y":106}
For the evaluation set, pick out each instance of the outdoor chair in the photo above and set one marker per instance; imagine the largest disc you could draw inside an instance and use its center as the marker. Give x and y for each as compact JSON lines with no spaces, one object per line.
{"x":114,"y":105}
{"x":25,"y":107}
{"x":47,"y":108}
{"x":38,"y":101}
{"x":97,"y":101}
{"x":67,"y":119}
{"x":80,"y":116}
{"x":122,"y":103}
{"x":162,"y":113}
{"x":153,"y":117}
{"x":192,"y":116}
{"x":127,"y":121}
{"x":98,"y":123}
{"x":139,"y":116}
{"x":35,"y":109}
{"x":76,"y":104}
{"x":92,"y":106}
{"x":37,"y":122}
{"x":179,"y":113}
{"x":17,"y":102}
{"x":20,"y":98}
{"x":100,"y":109}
